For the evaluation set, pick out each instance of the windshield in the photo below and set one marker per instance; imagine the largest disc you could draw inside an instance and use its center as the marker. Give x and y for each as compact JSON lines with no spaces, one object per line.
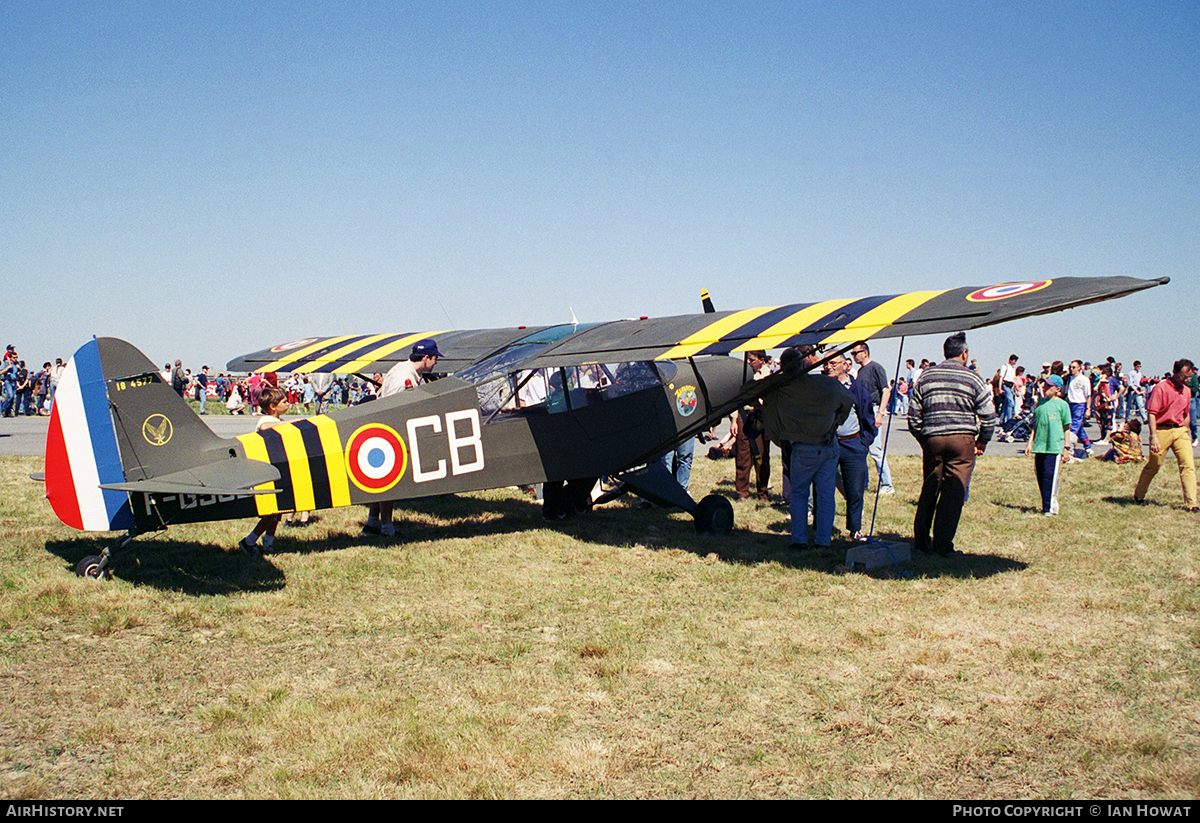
{"x":510,"y":356}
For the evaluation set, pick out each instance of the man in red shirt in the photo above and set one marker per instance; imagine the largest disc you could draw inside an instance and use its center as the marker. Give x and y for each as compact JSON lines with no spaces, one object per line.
{"x":1168,"y":413}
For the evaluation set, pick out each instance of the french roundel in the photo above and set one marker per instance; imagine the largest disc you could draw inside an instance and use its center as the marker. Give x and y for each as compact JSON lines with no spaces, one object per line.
{"x":1007,"y":290}
{"x":375,"y":458}
{"x":295,"y":344}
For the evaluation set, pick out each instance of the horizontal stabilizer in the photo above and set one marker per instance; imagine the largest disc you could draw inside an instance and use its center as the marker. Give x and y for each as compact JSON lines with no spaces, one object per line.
{"x":237,"y":475}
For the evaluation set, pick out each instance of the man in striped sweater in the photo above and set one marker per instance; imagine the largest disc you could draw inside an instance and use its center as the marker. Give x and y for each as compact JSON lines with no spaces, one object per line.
{"x":950,"y":412}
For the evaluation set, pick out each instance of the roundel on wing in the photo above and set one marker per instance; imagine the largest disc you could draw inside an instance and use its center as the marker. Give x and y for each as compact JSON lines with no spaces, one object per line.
{"x":1005,"y":290}
{"x":375,"y":457}
{"x":295,"y":344}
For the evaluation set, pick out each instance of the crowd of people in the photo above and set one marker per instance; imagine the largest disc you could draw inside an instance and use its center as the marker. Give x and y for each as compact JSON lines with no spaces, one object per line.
{"x":24,"y":391}
{"x":827,"y":429}
{"x":316,"y":393}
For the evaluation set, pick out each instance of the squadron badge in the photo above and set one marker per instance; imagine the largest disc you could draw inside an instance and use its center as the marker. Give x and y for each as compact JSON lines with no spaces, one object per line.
{"x":157,"y":430}
{"x":685,"y":400}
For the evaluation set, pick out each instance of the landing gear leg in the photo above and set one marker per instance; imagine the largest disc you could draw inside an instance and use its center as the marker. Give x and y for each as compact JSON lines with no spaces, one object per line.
{"x":97,"y":566}
{"x":713,"y":514}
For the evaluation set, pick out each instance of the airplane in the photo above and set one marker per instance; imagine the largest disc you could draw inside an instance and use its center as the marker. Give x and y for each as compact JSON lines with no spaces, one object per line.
{"x":561,"y":405}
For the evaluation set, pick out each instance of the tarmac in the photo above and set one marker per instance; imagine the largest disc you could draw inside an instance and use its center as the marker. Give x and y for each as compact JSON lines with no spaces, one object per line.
{"x":26,"y":436}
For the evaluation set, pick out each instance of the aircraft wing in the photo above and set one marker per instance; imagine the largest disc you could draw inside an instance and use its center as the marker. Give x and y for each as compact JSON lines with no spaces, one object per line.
{"x":829,"y":322}
{"x":367,"y":353}
{"x":833,"y":322}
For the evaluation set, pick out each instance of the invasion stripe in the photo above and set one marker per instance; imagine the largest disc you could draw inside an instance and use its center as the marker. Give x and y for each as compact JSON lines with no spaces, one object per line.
{"x":383,"y":351}
{"x":314,"y":457}
{"x":297,"y":459}
{"x":793,"y":325}
{"x":335,"y":461}
{"x":714,"y":332}
{"x":285,"y":501}
{"x":326,"y":361}
{"x":300,"y":354}
{"x":885,"y":315}
{"x":749,"y":331}
{"x":256,"y":449}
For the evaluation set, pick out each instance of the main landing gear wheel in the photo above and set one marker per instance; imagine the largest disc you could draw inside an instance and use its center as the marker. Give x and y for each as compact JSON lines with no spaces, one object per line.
{"x":91,"y":566}
{"x":714,"y":515}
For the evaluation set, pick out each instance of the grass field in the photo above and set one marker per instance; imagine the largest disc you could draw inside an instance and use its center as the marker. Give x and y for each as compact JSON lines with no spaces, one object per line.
{"x":616,"y":655}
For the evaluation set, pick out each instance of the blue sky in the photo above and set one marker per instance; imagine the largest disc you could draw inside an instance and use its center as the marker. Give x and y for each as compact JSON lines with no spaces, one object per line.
{"x":206,"y":179}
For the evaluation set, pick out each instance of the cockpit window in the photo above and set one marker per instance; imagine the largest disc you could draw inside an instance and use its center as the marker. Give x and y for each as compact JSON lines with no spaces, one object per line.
{"x":555,"y":390}
{"x":666,"y":369}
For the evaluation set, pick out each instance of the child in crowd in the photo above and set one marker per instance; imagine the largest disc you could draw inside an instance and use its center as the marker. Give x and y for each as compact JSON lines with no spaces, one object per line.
{"x":1126,"y":443}
{"x":273,"y":403}
{"x":1051,"y":422}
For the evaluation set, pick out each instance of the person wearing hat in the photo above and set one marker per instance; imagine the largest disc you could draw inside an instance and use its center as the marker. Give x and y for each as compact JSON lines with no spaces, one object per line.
{"x":1051,"y":421}
{"x":405,"y":375}
{"x":408,"y":374}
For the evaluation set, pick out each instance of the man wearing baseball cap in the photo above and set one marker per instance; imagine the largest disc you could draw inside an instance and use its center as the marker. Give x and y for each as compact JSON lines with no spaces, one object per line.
{"x":405,"y":375}
{"x":1051,"y":422}
{"x":408,"y":374}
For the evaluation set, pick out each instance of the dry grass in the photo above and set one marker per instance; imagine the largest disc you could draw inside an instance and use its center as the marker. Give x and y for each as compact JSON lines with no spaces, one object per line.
{"x":619,"y":655}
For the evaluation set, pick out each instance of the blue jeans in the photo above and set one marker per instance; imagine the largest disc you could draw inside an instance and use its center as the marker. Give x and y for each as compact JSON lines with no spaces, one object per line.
{"x":1193,"y":413}
{"x":881,"y":465}
{"x":1008,"y":410}
{"x":852,"y":466}
{"x":1078,"y":411}
{"x":678,"y":461}
{"x":1137,"y":405}
{"x":813,"y":466}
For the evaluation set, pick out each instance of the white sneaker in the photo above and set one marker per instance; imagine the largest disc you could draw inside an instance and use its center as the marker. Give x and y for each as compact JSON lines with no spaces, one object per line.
{"x":887,"y":490}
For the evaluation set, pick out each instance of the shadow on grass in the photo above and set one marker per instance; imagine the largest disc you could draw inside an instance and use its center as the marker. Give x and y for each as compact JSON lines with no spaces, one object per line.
{"x":622,"y":523}
{"x":211,"y":569}
{"x":1016,"y":507}
{"x":177,"y":565}
{"x":1127,"y":502}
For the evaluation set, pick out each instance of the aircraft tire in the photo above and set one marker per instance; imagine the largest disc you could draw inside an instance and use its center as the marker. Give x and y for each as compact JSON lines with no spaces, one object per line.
{"x":714,"y":515}
{"x":89,"y":567}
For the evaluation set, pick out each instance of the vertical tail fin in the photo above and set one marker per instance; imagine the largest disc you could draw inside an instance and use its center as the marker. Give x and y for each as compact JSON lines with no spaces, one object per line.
{"x":81,"y":449}
{"x":116,"y":420}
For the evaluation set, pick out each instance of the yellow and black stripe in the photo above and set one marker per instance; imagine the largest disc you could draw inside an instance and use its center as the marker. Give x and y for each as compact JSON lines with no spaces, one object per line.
{"x":773,"y":327}
{"x":312,"y":467}
{"x":348,"y":354}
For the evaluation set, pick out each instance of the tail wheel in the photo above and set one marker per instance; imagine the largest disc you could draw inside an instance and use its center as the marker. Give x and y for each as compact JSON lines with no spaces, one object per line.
{"x":714,"y":515}
{"x":91,"y":566}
